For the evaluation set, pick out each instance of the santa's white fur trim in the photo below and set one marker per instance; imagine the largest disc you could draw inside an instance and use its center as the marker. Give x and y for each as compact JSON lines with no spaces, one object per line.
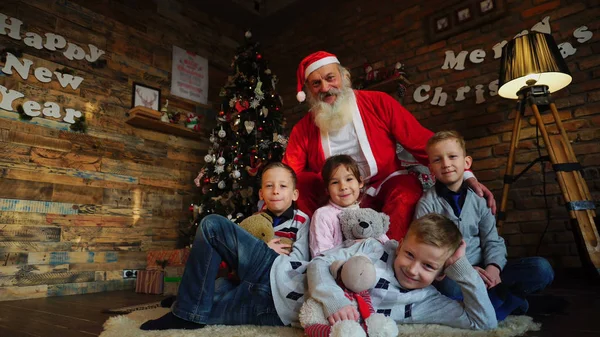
{"x":300,"y":96}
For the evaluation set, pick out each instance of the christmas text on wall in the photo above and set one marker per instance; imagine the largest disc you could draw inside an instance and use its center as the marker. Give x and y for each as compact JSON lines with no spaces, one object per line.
{"x":12,"y":28}
{"x":457,"y":62}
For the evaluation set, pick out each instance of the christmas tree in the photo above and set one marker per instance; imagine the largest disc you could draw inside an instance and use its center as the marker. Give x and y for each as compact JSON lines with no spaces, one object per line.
{"x":248,"y":135}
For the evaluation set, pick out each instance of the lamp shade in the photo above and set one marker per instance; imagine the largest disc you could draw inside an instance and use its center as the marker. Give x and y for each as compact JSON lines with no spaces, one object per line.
{"x":534,"y":56}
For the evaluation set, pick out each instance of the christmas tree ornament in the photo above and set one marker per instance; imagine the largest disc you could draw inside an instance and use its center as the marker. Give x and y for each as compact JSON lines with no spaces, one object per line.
{"x":235,"y":185}
{"x":212,"y":138}
{"x":206,"y":180}
{"x":258,"y":56}
{"x":236,"y":174}
{"x":268,"y":71}
{"x":248,"y":34}
{"x":264,"y":111}
{"x":221,"y":185}
{"x":232,"y":102}
{"x":198,"y":178}
{"x":208,"y":158}
{"x":274,"y":81}
{"x":241,"y":106}
{"x":204,"y":189}
{"x":258,"y":89}
{"x":255,"y":103}
{"x":221,"y":161}
{"x":219,"y":169}
{"x":249,"y":125}
{"x":222,"y":133}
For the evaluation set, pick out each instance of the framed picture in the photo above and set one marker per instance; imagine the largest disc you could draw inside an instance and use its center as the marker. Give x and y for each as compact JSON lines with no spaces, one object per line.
{"x":463,"y":14}
{"x":486,"y":6}
{"x":460,"y":16}
{"x":145,"y":96}
{"x":442,"y":23}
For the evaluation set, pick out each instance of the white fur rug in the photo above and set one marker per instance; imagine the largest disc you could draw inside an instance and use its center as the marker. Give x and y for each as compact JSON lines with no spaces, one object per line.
{"x":128,"y":326}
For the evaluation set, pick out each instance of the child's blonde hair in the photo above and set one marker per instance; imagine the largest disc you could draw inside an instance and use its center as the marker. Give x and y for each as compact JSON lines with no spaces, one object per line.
{"x":436,"y":230}
{"x":445,"y":135}
{"x":333,"y":162}
{"x":278,"y":164}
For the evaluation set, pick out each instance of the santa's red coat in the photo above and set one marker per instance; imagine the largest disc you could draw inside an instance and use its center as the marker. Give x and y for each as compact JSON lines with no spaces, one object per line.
{"x":381,"y":122}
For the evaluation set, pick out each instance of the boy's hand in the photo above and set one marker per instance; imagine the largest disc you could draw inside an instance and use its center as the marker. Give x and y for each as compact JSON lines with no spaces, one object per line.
{"x":490,"y":275}
{"x":278,"y":247}
{"x":483,"y":192}
{"x":460,"y":252}
{"x":348,"y":312}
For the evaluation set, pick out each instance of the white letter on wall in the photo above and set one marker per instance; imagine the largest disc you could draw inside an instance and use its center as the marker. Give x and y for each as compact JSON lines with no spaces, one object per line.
{"x":54,"y":41}
{"x":43,"y":75}
{"x":439,"y":97}
{"x":70,"y":114}
{"x":455,"y":62}
{"x":8,"y":96}
{"x":477,"y":56}
{"x":543,"y":26}
{"x":566,"y":49}
{"x":14,"y":28}
{"x":493,"y":87}
{"x":479,"y":94}
{"x":66,"y":79}
{"x":95,"y":53}
{"x":498,"y":49}
{"x":582,"y":34}
{"x":74,"y":52}
{"x":13,"y":62}
{"x":31,"y":108}
{"x":33,"y":40}
{"x":418,"y":96}
{"x":51,"y":110}
{"x":460,"y":93}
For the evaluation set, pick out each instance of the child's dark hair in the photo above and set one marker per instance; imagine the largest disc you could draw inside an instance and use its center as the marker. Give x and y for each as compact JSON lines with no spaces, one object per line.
{"x":333,"y":162}
{"x":278,"y":164}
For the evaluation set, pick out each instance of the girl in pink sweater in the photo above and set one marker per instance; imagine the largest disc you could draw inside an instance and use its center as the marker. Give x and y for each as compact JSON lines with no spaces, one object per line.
{"x":344,"y":183}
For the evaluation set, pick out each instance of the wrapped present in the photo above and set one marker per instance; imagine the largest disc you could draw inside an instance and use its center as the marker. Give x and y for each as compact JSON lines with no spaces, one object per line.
{"x":159,"y":259}
{"x":149,"y":282}
{"x":172,"y":279}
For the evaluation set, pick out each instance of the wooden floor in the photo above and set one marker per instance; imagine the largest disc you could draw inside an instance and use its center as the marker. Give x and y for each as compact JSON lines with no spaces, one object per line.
{"x":75,"y":316}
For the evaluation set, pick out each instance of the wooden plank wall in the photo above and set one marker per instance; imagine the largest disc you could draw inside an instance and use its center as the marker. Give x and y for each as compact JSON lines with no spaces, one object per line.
{"x":77,"y":209}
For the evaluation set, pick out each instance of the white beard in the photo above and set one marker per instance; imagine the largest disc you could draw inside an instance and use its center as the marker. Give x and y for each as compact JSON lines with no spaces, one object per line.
{"x":332,"y":117}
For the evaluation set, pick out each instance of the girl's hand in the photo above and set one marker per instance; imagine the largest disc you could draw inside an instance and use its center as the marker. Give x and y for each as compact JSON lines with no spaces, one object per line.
{"x":278,"y":247}
{"x":348,"y":312}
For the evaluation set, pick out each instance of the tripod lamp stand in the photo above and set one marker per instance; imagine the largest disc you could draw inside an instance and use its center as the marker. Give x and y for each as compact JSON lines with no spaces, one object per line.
{"x":530,"y":69}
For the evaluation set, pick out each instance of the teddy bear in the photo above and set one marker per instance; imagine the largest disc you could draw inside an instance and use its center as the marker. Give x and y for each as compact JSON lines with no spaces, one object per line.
{"x":362,"y":223}
{"x":356,"y":276}
{"x":260,"y":225}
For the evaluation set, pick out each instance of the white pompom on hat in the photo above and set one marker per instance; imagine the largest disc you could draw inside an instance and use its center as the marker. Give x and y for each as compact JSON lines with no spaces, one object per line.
{"x":309,"y":64}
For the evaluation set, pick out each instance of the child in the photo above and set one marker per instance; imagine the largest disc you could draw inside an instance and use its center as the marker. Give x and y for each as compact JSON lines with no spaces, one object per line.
{"x":342,"y":178}
{"x":271,"y":286}
{"x":432,"y":248}
{"x":485,"y":248}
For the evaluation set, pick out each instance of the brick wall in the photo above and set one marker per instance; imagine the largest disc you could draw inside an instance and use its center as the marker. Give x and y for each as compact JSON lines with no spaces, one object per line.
{"x":382,"y":34}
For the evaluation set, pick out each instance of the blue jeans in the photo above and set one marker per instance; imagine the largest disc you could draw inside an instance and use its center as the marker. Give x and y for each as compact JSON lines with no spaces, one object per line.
{"x":202,"y":299}
{"x":522,"y":276}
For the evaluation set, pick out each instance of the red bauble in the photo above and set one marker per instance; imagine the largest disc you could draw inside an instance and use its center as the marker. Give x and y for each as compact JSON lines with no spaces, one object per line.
{"x":260,"y":128}
{"x":258,"y":56}
{"x":221,"y":113}
{"x":206,"y":180}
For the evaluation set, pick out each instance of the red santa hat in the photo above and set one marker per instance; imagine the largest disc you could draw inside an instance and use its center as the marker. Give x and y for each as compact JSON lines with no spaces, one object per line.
{"x":311,"y":63}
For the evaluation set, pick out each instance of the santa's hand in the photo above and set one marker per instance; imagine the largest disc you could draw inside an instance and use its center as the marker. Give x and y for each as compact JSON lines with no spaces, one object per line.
{"x":348,"y":312}
{"x":278,"y":247}
{"x":483,"y":192}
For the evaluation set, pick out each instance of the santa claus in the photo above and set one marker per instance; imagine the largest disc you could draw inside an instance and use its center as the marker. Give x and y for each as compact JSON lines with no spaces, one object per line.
{"x":365,"y":125}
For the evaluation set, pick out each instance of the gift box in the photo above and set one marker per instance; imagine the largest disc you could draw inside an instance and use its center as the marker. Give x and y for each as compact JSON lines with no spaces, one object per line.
{"x":172,"y":279}
{"x":149,"y":282}
{"x":159,"y":259}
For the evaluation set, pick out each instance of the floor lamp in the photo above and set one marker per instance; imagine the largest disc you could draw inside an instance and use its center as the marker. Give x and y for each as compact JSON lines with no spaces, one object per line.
{"x":530,"y":69}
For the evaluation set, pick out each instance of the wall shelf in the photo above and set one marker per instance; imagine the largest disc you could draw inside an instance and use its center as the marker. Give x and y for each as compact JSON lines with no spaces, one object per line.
{"x":142,"y":118}
{"x":388,"y":85}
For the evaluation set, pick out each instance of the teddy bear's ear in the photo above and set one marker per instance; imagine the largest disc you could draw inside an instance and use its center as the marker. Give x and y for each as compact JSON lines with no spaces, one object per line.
{"x":335,"y":267}
{"x":386,"y":221}
{"x":267,"y":216}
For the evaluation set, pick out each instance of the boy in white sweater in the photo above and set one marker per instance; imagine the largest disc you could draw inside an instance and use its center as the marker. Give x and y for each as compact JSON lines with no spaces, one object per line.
{"x":432,"y":249}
